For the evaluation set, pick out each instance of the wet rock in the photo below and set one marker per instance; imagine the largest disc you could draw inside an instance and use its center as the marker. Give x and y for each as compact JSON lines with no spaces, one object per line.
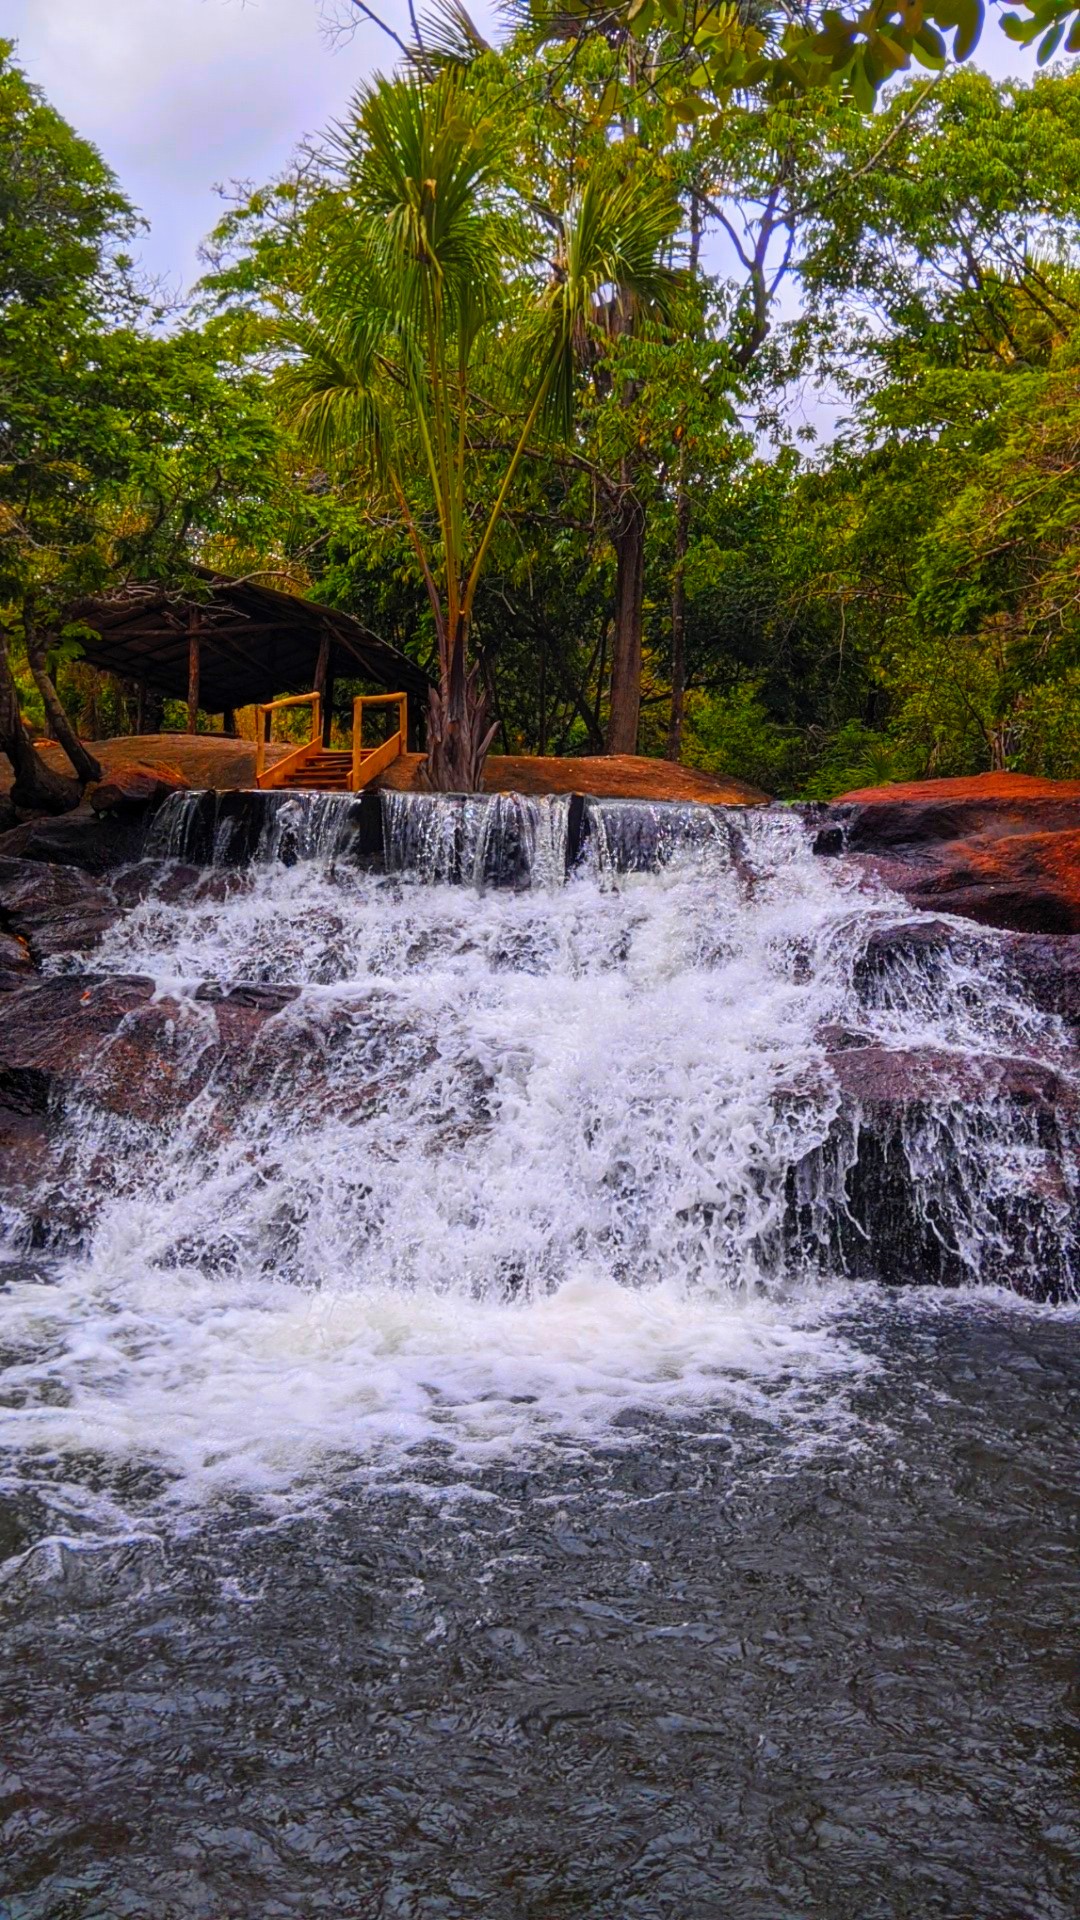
{"x":1044,"y":969}
{"x":135,"y":786}
{"x":259,"y":994}
{"x":1047,"y":968}
{"x":942,"y":1169}
{"x":16,"y":960}
{"x":112,"y":1040}
{"x":72,"y":1573}
{"x":1000,"y":849}
{"x":28,"y":1160}
{"x":53,"y":909}
{"x":95,"y":842}
{"x":881,"y":1079}
{"x":165,"y":879}
{"x":1029,"y":882}
{"x":829,"y":840}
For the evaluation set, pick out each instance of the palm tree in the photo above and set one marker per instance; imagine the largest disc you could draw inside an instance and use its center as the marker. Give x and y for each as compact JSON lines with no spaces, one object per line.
{"x":411,"y":301}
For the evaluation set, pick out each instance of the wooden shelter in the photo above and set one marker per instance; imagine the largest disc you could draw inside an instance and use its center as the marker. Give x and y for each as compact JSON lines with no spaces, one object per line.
{"x":239,"y":643}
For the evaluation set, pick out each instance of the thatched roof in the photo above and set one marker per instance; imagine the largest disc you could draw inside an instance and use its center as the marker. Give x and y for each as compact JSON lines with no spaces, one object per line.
{"x":255,"y":643}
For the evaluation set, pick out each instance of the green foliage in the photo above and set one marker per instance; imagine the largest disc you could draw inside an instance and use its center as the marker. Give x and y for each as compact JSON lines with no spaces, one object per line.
{"x":122,"y":454}
{"x":487,"y":314}
{"x":858,"y":756}
{"x":726,"y":48}
{"x":734,"y":733}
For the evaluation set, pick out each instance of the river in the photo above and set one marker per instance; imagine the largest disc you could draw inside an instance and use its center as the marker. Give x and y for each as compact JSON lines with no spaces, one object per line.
{"x":447,"y":1472}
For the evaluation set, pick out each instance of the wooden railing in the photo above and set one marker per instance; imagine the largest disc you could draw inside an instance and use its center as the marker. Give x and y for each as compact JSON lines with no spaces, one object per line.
{"x":324,"y":765}
{"x":273,"y":776}
{"x":367,"y":762}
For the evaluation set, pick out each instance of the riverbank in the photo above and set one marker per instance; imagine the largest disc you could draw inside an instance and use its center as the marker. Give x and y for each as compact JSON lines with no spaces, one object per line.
{"x":217,"y":761}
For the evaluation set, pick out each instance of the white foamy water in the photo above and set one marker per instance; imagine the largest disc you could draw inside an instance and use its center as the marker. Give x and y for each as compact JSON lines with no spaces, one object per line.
{"x":510,"y":1166}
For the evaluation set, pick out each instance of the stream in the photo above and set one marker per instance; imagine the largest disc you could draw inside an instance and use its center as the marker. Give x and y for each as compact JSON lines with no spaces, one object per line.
{"x":467,"y":1456}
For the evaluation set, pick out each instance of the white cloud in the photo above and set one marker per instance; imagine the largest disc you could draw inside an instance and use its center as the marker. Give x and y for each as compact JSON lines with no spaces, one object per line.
{"x":181,"y":94}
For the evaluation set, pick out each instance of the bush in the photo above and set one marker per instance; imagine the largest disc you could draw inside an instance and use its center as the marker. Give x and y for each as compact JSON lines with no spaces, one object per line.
{"x":732,"y":733}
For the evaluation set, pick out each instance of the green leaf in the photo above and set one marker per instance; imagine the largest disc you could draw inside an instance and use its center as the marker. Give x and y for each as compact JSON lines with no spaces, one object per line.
{"x":865,"y":96}
{"x":969,"y":29}
{"x":1050,"y":44}
{"x":929,"y":46}
{"x":891,"y":52}
{"x":1020,"y":31}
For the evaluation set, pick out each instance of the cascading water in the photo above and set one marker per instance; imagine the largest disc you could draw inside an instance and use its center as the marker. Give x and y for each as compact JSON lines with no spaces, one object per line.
{"x":502,"y":840}
{"x":533,"y":1181}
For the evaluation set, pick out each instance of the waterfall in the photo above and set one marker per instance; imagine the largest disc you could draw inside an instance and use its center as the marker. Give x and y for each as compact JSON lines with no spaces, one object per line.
{"x":510,"y":1154}
{"x":501,"y":839}
{"x":636,"y":836}
{"x":480,"y":840}
{"x":231,"y":828}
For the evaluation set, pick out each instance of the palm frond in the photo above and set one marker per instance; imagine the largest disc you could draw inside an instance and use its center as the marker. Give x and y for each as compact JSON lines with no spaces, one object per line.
{"x":612,"y":263}
{"x":333,"y":390}
{"x":423,"y":166}
{"x":449,"y":37}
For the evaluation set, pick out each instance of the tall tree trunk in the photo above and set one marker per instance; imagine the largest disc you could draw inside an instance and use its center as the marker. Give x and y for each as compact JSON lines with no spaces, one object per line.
{"x":194,"y":671}
{"x":60,"y":727}
{"x":682,"y":541}
{"x":678,"y":613}
{"x":149,"y":712}
{"x":36,"y":786}
{"x":626,"y":640}
{"x":460,"y":729}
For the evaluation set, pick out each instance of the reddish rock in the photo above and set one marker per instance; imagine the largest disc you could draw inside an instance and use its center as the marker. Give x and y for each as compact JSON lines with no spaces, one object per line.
{"x":1001,"y":849}
{"x":204,"y":759}
{"x":1015,"y":788}
{"x":135,"y":786}
{"x":881,"y":1079}
{"x":97,"y":843}
{"x":16,"y":960}
{"x":53,"y":909}
{"x":604,"y":776}
{"x":110,"y":1038}
{"x":1026,"y":881}
{"x":942,"y":1168}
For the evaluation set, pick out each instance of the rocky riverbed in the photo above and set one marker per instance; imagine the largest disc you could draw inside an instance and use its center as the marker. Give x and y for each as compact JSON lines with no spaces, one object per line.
{"x":999,"y":933}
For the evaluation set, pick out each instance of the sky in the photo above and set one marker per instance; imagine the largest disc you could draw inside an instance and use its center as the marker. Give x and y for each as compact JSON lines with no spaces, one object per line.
{"x":183,"y":95}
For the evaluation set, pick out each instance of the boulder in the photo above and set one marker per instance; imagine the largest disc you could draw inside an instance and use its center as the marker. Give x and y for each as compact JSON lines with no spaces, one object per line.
{"x":1042,"y":969}
{"x":110,"y":1042}
{"x":111,"y":1039}
{"x":999,"y":849}
{"x":16,"y":960}
{"x":941,"y":1168}
{"x":52,"y":909}
{"x":128,"y":787}
{"x":95,"y":842}
{"x":1047,"y":968}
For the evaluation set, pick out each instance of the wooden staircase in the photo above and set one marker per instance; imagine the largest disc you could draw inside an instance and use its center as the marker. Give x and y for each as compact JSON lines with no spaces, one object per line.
{"x":327,"y":772}
{"x":315,"y":768}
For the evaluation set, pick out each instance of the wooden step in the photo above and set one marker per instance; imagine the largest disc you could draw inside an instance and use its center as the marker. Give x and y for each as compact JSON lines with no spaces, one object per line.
{"x":301,"y":782}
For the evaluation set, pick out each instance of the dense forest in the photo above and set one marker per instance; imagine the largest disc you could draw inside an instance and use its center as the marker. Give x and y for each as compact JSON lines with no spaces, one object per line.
{"x":522,"y":364}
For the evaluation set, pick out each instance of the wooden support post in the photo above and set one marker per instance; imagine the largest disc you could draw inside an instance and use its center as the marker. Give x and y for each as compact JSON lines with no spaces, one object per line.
{"x":322,"y":662}
{"x":140,"y":707}
{"x":323,"y":683}
{"x":228,"y":721}
{"x":327,"y":709}
{"x":193,"y":675}
{"x":267,"y":726}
